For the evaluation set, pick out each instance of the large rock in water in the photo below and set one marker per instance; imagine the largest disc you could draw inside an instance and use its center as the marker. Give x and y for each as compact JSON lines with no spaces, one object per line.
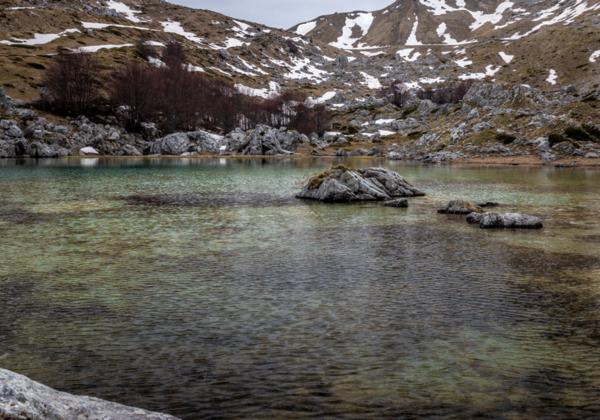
{"x":341,"y":184}
{"x":505,"y":221}
{"x":22,"y":398}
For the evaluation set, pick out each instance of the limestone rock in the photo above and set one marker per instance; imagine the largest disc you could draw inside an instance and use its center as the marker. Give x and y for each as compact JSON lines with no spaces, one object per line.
{"x":23,"y":399}
{"x":341,"y":184}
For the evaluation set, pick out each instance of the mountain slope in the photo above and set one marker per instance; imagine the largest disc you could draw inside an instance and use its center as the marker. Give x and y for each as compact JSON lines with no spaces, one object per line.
{"x":251,"y":54}
{"x":518,"y":41}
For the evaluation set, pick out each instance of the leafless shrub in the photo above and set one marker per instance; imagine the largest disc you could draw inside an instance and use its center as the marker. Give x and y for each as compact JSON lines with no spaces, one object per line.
{"x":72,"y":83}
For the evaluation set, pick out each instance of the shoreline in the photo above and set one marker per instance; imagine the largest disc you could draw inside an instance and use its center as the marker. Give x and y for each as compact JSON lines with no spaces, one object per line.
{"x":525,"y":161}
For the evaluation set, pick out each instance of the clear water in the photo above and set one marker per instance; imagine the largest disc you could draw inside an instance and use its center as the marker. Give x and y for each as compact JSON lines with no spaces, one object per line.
{"x":231,"y":299}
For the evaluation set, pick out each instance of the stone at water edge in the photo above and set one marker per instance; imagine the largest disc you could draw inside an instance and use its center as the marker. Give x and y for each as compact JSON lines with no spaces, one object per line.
{"x":460,"y":207}
{"x":399,"y":203}
{"x":505,"y":221}
{"x":341,"y":184}
{"x":23,"y":398}
{"x":88,"y":151}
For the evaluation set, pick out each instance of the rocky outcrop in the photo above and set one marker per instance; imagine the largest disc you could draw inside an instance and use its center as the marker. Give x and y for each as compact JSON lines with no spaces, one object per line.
{"x":177,"y":144}
{"x":460,"y":207}
{"x":22,"y":398}
{"x":505,"y":221}
{"x":263,"y":140}
{"x":173,"y":145}
{"x":341,"y":184}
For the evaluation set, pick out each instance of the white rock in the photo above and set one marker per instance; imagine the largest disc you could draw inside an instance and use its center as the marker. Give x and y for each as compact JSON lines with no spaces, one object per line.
{"x":88,"y":151}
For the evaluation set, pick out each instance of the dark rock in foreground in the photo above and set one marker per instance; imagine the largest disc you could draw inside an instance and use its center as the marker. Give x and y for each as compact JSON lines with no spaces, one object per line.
{"x":505,"y":221}
{"x":397,"y":203}
{"x":22,"y":398}
{"x":341,"y":184}
{"x":460,"y":207}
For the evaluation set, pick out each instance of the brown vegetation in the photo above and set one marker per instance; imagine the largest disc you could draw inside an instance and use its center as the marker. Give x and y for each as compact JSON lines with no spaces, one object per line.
{"x":172,"y":95}
{"x":72,"y":84}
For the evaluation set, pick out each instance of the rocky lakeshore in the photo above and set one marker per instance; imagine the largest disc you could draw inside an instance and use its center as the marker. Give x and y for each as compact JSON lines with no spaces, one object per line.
{"x":493,"y":121}
{"x":24,"y":399}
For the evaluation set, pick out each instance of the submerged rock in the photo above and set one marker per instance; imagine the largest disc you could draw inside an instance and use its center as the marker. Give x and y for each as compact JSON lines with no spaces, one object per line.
{"x":460,"y":207}
{"x":22,"y":398}
{"x":341,"y":184}
{"x":505,"y":221}
{"x":398,"y":203}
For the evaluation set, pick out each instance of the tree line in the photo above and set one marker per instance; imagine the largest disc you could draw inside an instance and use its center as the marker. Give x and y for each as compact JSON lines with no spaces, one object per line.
{"x":168,"y":94}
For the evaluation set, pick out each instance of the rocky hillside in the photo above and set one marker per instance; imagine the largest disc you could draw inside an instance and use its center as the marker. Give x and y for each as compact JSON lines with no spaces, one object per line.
{"x":259,"y":59}
{"x":544,"y":43}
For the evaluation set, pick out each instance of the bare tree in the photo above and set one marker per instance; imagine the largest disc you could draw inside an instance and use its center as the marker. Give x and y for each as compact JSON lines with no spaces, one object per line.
{"x":73,"y":83}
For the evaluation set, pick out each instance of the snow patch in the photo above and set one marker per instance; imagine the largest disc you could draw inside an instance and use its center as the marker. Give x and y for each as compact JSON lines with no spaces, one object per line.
{"x":305,"y":28}
{"x":363,"y":21}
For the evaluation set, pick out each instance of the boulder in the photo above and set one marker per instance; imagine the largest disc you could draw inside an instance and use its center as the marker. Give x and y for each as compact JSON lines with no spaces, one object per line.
{"x":460,"y":207}
{"x":505,"y":221}
{"x":88,"y":151}
{"x":22,"y":398}
{"x":341,"y":184}
{"x":37,"y":149}
{"x":394,"y":156}
{"x":397,"y":203}
{"x":14,"y":131}
{"x":205,"y":142}
{"x":263,"y":140}
{"x":7,"y":149}
{"x":173,"y":145}
{"x":129,"y":150}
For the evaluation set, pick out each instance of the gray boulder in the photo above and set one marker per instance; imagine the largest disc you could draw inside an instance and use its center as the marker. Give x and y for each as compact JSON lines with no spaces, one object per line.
{"x":129,"y":150}
{"x":14,"y":131}
{"x":341,"y":184}
{"x":460,"y":207}
{"x":263,"y":140}
{"x":38,"y":149}
{"x":173,"y":144}
{"x":22,"y":398}
{"x":505,"y":221}
{"x":7,"y":149}
{"x":205,"y":142}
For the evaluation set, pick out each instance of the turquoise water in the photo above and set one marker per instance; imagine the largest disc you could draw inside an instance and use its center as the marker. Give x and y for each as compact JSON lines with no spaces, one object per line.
{"x":228,"y":298}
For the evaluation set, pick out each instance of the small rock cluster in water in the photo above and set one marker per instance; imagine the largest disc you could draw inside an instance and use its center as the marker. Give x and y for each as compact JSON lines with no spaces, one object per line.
{"x":341,"y":184}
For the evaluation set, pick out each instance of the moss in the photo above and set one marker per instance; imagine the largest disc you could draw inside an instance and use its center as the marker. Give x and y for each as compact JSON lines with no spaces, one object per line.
{"x":315,"y":181}
{"x":505,"y":138}
{"x":555,"y":138}
{"x":484,"y":137}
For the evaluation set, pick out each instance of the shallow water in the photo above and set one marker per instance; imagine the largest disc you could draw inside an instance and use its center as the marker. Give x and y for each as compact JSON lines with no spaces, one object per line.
{"x":201,"y":288}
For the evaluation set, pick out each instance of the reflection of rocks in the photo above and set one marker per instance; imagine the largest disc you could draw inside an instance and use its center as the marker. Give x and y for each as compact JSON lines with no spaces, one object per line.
{"x":505,"y":221}
{"x":22,"y":398}
{"x":208,"y":200}
{"x":460,"y":207}
{"x":341,"y":184}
